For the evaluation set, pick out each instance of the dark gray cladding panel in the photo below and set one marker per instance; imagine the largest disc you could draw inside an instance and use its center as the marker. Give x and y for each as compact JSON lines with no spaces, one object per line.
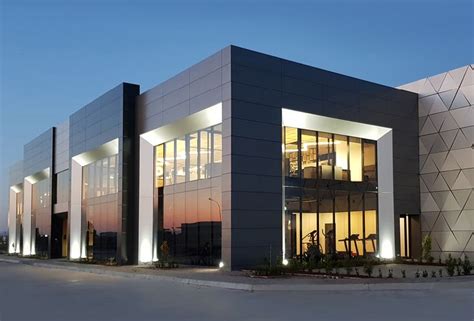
{"x":100,"y":121}
{"x":260,"y":86}
{"x":261,"y":82}
{"x":198,"y":87}
{"x":38,"y":153}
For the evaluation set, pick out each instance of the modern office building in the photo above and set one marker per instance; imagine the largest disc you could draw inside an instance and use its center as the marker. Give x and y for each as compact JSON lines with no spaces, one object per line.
{"x":241,"y":157}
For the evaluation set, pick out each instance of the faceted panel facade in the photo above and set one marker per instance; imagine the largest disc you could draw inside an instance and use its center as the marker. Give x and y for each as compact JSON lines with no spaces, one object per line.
{"x":446,"y":125}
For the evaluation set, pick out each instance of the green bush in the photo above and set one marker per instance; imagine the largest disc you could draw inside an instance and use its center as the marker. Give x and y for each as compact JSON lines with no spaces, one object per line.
{"x":450,"y":265}
{"x":426,"y":249}
{"x":466,"y":266}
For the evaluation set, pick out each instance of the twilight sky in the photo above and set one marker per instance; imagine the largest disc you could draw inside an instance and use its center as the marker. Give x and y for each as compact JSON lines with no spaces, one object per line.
{"x":57,"y":56}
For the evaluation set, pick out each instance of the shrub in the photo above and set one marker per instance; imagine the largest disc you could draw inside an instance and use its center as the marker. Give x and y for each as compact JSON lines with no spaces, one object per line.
{"x":390,"y":273}
{"x":369,"y":268}
{"x":404,"y":274}
{"x":426,"y":248}
{"x":425,"y":274}
{"x":450,"y":265}
{"x":466,"y":266}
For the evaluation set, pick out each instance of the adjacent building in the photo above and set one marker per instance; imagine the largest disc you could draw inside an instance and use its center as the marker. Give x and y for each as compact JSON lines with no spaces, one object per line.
{"x":446,"y":131}
{"x":241,"y":157}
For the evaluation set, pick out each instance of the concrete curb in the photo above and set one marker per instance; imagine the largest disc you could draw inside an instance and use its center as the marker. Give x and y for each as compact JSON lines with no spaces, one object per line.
{"x":415,"y":286}
{"x":12,"y":261}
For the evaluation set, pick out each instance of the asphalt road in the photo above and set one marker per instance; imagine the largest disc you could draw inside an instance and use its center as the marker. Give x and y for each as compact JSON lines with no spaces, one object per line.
{"x":33,"y":293}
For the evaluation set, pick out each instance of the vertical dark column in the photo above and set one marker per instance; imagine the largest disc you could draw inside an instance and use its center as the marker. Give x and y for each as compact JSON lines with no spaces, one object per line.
{"x":53,"y":188}
{"x":128,"y":172}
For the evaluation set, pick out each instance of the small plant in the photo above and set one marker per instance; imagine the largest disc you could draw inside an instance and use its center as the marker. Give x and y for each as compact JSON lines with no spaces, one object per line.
{"x":404,"y":274}
{"x":426,"y":248}
{"x":458,"y":270}
{"x":165,"y":251}
{"x":390,"y":274}
{"x":417,"y":274}
{"x":369,"y":268}
{"x":357,"y":272}
{"x":450,"y":265}
{"x":380,"y":272}
{"x":466,"y":266}
{"x":440,"y":272}
{"x":433,"y":274}
{"x":439,"y":261}
{"x":425,"y":274}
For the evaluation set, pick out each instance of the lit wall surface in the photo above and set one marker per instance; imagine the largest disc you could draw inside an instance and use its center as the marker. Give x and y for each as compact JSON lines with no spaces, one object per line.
{"x":447,"y":160}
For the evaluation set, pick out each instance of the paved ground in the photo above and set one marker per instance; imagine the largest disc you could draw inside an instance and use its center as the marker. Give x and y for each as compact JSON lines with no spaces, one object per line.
{"x":34,"y":293}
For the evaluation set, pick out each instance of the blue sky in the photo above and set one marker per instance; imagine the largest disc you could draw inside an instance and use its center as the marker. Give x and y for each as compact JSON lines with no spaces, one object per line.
{"x":56,"y":56}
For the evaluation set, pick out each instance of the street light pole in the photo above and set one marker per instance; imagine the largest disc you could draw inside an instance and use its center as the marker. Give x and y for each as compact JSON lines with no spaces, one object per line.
{"x":218,"y":206}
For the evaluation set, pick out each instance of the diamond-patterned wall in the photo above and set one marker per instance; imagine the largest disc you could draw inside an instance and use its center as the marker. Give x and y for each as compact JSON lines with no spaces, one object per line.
{"x":447,"y":160}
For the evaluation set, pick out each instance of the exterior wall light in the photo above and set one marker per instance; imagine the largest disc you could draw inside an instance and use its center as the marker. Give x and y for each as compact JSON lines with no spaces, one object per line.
{"x":221,"y":265}
{"x":285,"y":262}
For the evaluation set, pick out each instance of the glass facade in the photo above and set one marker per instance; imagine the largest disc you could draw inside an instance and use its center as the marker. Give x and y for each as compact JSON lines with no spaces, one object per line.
{"x":100,"y":208}
{"x":187,"y":196}
{"x":19,"y":220}
{"x":330,"y":189}
{"x":41,"y":215}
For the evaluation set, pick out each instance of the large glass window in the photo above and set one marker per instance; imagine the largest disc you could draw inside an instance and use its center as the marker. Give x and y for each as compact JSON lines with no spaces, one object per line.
{"x":291,"y":152}
{"x":309,"y":154}
{"x":180,"y":160}
{"x":100,"y":205}
{"x":188,"y":201}
{"x":355,"y":163}
{"x":326,"y":155}
{"x":41,"y":215}
{"x":193,"y":156}
{"x":169,"y":163}
{"x":357,"y":223}
{"x":159,"y":165}
{"x":370,"y":165}
{"x":341,"y":169}
{"x":338,"y":218}
{"x":341,"y":202}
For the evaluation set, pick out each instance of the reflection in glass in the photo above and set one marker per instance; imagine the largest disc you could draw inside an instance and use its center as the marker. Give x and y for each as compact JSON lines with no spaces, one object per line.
{"x":100,"y":207}
{"x":191,"y":222}
{"x":41,"y":215}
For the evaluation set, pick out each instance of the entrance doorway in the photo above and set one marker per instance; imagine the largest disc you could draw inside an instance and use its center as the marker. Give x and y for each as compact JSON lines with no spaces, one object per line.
{"x":410,"y":236}
{"x":59,"y":237}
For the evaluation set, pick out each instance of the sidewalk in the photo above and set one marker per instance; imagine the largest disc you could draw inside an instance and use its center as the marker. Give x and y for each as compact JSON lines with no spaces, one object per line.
{"x":236,"y":280}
